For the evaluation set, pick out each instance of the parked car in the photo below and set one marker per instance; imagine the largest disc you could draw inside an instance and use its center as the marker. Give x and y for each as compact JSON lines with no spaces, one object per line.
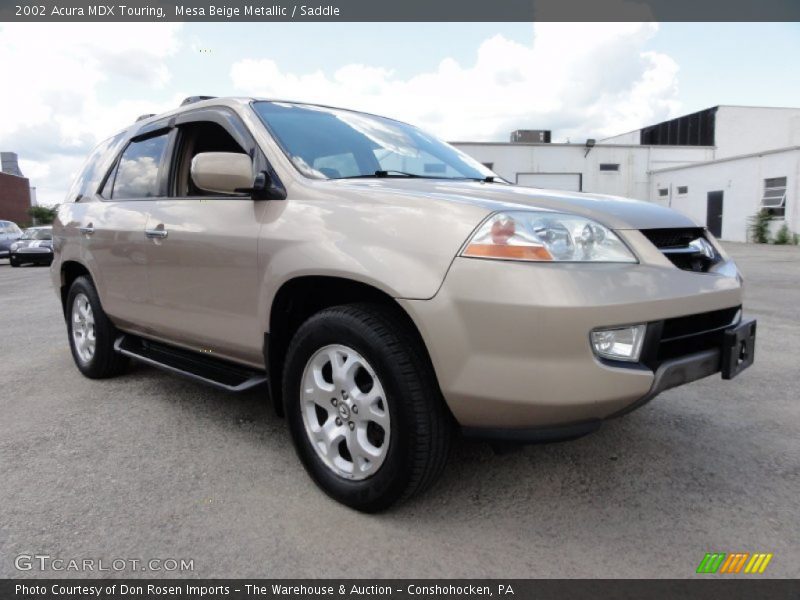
{"x":35,"y":246}
{"x":9,"y":233}
{"x":388,"y":289}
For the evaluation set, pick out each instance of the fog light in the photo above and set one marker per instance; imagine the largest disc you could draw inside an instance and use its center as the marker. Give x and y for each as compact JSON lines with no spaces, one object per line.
{"x":619,"y":343}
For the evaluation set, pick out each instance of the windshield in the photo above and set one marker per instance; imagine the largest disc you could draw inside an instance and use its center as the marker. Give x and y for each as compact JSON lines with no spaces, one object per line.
{"x":329,"y":143}
{"x":9,"y":227}
{"x":37,"y":234}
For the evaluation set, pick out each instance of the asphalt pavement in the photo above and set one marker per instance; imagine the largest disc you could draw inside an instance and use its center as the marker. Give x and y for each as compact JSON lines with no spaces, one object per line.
{"x":152,"y":466}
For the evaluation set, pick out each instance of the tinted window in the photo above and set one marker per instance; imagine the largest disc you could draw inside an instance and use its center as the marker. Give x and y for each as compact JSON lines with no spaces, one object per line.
{"x":95,"y":167}
{"x":137,"y":173}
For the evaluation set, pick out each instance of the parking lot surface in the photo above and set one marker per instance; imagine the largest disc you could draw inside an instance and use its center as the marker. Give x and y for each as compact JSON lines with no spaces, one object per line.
{"x":152,"y":466}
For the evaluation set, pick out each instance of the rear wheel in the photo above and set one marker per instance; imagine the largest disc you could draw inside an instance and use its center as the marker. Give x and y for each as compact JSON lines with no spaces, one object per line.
{"x":91,"y":333}
{"x":364,"y":409}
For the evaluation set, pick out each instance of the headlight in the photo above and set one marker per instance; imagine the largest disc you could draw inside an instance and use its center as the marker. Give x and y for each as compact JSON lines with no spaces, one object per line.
{"x":545,"y":236}
{"x":14,"y":246}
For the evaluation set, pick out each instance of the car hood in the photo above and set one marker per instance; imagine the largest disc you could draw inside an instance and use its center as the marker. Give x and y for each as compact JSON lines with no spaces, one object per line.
{"x":612,"y":211}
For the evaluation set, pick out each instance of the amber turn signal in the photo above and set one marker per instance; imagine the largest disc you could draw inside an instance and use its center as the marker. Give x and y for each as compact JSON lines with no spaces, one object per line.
{"x":507,"y":251}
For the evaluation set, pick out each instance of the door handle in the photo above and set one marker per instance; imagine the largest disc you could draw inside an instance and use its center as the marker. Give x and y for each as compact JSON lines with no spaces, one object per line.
{"x":88,"y":230}
{"x":156,"y":234}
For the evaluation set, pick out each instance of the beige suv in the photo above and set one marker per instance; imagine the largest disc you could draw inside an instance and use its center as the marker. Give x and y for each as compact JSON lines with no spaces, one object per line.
{"x":384,"y":289}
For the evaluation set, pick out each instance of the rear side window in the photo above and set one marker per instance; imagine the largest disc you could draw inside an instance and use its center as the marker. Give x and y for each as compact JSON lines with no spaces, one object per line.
{"x":95,"y":167}
{"x":137,"y":172}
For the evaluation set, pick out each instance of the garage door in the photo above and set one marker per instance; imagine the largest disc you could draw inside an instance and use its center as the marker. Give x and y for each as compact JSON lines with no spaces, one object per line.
{"x":552,"y":181}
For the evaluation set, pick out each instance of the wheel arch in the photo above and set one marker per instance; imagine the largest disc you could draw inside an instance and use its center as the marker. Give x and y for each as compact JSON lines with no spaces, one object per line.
{"x":301,"y":297}
{"x":69,"y":272}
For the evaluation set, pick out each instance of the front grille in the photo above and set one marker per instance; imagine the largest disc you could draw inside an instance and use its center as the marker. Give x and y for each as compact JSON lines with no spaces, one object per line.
{"x":677,"y":245}
{"x":681,"y":336}
{"x":672,"y":238}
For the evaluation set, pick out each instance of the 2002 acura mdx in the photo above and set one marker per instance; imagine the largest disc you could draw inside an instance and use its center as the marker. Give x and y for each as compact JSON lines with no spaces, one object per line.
{"x":386,"y":287}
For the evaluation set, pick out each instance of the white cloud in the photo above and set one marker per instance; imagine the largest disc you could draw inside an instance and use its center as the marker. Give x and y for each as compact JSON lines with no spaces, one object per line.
{"x":579,"y":79}
{"x":53,"y":110}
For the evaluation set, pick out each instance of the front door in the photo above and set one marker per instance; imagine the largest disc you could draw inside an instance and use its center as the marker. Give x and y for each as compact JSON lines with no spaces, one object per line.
{"x":203,"y":256}
{"x":203,"y":274}
{"x":714,"y":213}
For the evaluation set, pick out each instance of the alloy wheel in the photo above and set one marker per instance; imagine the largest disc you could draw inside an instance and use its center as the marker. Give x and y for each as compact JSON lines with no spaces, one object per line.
{"x":83,"y":332}
{"x":344,"y":411}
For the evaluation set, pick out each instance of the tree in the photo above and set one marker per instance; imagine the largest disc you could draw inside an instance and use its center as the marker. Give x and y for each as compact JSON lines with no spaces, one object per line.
{"x":43,"y":215}
{"x":784,"y":236}
{"x":759,"y":226}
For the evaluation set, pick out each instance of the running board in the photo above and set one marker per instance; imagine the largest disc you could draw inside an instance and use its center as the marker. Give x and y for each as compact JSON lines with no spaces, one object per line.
{"x":219,"y":373}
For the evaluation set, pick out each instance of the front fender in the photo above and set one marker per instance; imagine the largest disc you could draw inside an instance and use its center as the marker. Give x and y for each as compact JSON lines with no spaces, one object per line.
{"x":402,"y":249}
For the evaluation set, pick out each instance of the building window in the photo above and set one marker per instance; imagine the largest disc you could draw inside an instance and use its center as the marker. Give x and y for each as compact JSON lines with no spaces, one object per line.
{"x":683,"y":190}
{"x":774,"y":198}
{"x":663,"y":192}
{"x":609,"y":166}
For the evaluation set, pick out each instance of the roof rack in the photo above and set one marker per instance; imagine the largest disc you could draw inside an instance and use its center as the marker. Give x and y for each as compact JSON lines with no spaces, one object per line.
{"x":193,"y":99}
{"x":143,"y":117}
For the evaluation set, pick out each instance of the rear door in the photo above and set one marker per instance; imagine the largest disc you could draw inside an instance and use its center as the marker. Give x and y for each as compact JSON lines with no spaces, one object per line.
{"x":102,"y":223}
{"x":203,"y":248}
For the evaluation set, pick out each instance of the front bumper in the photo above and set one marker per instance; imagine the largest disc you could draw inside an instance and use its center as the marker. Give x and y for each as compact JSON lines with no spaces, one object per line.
{"x":33,"y":255}
{"x":510,"y":341}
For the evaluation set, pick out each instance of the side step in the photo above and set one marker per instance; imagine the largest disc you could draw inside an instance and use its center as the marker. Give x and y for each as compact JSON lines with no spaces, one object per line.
{"x":214,"y":371}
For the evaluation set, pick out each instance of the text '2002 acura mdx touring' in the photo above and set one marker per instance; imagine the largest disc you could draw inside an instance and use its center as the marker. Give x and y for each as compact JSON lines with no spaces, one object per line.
{"x":384,"y":288}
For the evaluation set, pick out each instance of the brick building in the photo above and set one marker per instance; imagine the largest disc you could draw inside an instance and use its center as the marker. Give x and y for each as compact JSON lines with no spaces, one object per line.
{"x":15,"y":190}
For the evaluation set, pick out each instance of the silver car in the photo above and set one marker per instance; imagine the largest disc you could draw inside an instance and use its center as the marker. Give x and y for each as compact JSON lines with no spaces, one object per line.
{"x":9,"y":233}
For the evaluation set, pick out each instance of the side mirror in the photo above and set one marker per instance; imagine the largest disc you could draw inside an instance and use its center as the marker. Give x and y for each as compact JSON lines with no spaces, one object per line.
{"x":222,"y":172}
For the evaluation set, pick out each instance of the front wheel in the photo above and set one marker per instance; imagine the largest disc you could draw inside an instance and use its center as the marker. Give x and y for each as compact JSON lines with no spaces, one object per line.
{"x":91,"y":333}
{"x":364,"y":409}
{"x":13,"y":262}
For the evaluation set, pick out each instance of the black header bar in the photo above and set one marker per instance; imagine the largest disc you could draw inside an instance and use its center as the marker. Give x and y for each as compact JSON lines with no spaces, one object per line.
{"x":401,"y":10}
{"x":398,"y":589}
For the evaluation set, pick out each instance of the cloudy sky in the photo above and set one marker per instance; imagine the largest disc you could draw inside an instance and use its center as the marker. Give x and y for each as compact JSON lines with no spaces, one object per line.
{"x":67,"y":86}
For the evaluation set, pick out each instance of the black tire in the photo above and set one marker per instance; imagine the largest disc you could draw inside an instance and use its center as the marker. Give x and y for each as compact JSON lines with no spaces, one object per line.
{"x":420,"y":425}
{"x":13,"y":262}
{"x":105,"y":362}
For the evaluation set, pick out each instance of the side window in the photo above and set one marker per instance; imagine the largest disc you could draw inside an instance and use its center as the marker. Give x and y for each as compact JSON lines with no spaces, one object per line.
{"x":197,"y":137}
{"x":137,"y":172}
{"x":94,"y":168}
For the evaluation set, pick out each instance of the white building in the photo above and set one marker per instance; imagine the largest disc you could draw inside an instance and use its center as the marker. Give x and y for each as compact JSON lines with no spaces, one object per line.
{"x":719,"y":166}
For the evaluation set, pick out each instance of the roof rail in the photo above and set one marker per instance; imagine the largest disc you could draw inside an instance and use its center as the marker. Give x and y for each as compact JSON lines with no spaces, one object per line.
{"x":143,"y":117}
{"x":193,"y":99}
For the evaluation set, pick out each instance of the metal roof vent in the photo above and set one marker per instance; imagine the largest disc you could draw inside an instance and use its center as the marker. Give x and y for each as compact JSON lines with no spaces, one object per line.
{"x":193,"y":99}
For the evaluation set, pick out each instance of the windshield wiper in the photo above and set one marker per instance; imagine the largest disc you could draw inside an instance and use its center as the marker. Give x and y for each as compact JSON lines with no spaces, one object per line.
{"x":393,"y":173}
{"x":489,"y":179}
{"x":380,"y":174}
